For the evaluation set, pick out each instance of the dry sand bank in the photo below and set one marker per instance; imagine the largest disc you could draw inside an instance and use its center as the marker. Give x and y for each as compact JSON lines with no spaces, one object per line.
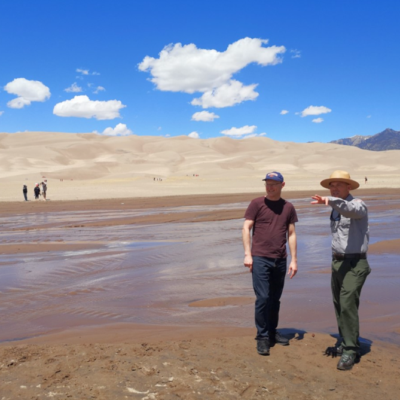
{"x":129,"y":203}
{"x":386,"y":246}
{"x":196,"y":368}
{"x":90,"y":166}
{"x":142,"y":203}
{"x":382,"y":247}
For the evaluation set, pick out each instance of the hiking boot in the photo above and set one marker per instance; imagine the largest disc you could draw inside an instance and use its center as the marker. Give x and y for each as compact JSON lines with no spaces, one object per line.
{"x":337,"y":350}
{"x":346,"y":362}
{"x":263,"y":347}
{"x":279,"y":339}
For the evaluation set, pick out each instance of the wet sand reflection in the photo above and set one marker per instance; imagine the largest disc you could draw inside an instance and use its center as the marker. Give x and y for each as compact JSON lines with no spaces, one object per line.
{"x":152,"y":273}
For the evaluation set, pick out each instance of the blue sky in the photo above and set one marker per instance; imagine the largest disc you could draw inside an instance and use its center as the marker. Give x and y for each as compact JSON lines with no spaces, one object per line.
{"x":288,"y":70}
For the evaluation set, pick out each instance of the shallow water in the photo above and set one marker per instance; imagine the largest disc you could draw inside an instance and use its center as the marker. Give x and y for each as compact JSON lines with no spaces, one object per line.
{"x":151,"y":273}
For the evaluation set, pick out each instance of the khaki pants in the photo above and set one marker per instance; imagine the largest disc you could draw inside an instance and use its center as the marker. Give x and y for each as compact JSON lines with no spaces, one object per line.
{"x":348,"y":277}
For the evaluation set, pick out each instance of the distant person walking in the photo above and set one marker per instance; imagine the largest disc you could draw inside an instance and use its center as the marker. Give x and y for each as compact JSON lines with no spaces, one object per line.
{"x":44,"y":189}
{"x":366,"y":179}
{"x":271,"y":219}
{"x":25,"y":192}
{"x":36,"y":190}
{"x":350,"y":268}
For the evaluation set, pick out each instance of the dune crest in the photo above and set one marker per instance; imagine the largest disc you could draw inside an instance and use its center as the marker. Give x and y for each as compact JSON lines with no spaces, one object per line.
{"x":84,"y":166}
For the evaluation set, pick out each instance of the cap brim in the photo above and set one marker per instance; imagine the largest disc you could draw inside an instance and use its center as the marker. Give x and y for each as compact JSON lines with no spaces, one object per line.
{"x":353,"y":184}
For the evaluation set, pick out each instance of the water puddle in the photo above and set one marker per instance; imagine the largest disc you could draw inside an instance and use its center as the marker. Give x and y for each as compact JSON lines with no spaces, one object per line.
{"x":151,"y":273}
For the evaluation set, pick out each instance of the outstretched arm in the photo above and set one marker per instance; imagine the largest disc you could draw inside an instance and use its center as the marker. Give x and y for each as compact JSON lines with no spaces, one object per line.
{"x":320,"y":200}
{"x":354,"y":208}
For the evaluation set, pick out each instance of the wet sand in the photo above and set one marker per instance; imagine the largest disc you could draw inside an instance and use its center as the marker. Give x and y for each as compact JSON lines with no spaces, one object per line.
{"x":112,"y":253}
{"x":154,"y":287}
{"x":121,"y":204}
{"x":386,"y":247}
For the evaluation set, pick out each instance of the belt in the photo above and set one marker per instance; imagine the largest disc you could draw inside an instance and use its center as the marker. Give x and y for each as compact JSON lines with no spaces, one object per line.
{"x":350,"y":256}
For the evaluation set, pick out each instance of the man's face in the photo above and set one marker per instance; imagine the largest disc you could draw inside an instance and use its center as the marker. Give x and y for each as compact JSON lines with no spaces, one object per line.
{"x":339,"y":189}
{"x":274,"y":188}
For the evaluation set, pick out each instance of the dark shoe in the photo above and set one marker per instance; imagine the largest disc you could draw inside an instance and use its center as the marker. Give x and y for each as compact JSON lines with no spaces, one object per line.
{"x":279,"y":339}
{"x":337,"y":351}
{"x":263,"y":347}
{"x":346,"y":362}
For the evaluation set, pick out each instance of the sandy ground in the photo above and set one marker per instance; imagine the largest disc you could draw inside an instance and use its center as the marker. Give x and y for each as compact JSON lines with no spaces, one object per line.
{"x":183,"y":362}
{"x":121,"y":204}
{"x":196,"y":368}
{"x":90,"y":166}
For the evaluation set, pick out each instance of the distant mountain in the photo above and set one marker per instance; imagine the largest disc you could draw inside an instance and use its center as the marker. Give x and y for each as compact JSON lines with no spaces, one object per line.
{"x":351,"y":141}
{"x":389,"y":139}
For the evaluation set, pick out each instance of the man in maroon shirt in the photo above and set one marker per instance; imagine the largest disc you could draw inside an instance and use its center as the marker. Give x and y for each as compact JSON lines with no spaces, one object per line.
{"x":272,"y":220}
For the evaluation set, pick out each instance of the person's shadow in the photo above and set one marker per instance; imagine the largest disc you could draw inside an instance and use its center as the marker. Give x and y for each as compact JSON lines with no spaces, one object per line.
{"x":336,"y":351}
{"x":331,"y":351}
{"x":292,"y":333}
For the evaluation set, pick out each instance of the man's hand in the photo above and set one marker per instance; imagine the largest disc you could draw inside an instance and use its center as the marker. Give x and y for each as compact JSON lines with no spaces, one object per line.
{"x":320,"y":200}
{"x":248,"y":262}
{"x":292,"y":269}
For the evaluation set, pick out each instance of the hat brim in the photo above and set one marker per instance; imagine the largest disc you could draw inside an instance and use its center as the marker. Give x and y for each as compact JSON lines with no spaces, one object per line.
{"x":353,"y":184}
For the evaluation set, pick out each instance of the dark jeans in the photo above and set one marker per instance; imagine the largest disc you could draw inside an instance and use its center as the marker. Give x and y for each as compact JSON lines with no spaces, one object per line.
{"x":268,"y":281}
{"x":26,"y":196}
{"x":348,"y":278}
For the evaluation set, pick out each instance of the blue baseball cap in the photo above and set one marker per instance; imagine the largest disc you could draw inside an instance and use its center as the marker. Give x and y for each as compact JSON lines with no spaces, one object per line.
{"x":274,"y":176}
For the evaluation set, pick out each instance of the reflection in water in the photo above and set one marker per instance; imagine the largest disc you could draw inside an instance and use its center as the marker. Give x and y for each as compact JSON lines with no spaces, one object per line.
{"x":150,"y":273}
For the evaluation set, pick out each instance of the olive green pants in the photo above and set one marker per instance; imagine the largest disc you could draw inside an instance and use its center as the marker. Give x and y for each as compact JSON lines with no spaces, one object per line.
{"x":348,"y":277}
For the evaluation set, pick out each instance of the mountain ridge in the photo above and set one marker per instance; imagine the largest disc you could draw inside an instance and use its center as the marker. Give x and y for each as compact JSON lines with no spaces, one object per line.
{"x":389,"y":139}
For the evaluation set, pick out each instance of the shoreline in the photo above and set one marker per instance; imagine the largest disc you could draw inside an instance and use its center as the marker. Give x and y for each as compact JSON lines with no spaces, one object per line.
{"x":33,"y":206}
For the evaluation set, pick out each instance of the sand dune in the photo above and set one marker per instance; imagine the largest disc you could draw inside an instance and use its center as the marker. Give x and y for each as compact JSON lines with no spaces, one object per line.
{"x":96,"y":166}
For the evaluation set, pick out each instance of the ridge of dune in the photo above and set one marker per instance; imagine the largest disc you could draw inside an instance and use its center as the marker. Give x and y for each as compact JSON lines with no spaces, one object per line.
{"x":97,"y":166}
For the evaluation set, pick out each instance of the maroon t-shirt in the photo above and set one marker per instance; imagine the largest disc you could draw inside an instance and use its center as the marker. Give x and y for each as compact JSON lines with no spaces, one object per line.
{"x":271,"y":223}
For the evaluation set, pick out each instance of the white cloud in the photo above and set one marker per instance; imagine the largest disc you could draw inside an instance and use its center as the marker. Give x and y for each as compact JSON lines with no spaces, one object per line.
{"x":194,"y":135}
{"x":318,"y":120}
{"x":227,"y":95}
{"x":83,"y":107}
{"x":18,"y":102}
{"x":99,"y":89}
{"x":82,"y":71}
{"x":368,"y":116}
{"x":283,"y":112}
{"x":74,"y":88}
{"x":295,"y":53}
{"x":204,"y":116}
{"x":1,"y":113}
{"x":86,"y":72}
{"x":159,"y":128}
{"x":119,"y":130}
{"x":190,"y":69}
{"x":315,"y":110}
{"x":244,"y":130}
{"x":27,"y":91}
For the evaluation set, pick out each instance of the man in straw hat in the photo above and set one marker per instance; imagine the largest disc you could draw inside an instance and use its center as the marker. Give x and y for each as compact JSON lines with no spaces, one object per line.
{"x":271,"y":219}
{"x":350,"y":268}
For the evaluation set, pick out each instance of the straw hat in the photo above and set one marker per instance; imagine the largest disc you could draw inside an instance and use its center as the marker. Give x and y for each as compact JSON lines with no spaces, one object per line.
{"x":340,"y":176}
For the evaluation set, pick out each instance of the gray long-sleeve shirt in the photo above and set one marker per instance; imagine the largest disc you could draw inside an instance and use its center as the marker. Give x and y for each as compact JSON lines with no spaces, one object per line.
{"x":349,"y":225}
